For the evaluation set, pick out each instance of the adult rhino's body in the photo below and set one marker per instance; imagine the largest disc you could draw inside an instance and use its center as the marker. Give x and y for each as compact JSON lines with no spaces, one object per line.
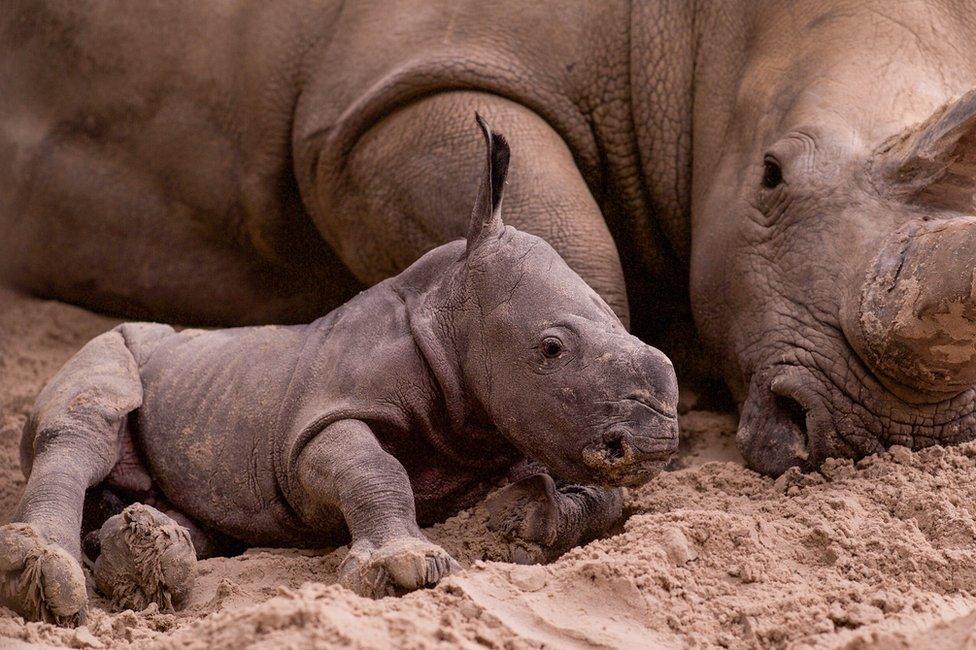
{"x":250,"y":162}
{"x":245,"y":162}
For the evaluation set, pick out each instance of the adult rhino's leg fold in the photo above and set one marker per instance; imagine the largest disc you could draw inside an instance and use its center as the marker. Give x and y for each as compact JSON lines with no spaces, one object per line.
{"x":406,"y":185}
{"x":70,"y":443}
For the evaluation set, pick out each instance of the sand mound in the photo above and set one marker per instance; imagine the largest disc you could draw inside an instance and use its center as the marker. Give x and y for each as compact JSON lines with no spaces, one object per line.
{"x":881,"y":553}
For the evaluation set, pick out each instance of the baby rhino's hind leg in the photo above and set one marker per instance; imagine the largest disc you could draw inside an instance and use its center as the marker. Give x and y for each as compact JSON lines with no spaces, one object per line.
{"x":145,"y":557}
{"x":70,"y":443}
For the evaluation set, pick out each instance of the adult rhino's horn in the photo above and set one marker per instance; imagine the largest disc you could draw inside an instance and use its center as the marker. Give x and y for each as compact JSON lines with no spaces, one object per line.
{"x":486,"y":218}
{"x":914,"y":319}
{"x":933,"y":163}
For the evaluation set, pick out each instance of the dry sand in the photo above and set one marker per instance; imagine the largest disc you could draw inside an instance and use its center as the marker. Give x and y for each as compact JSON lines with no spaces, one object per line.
{"x":878,"y":554}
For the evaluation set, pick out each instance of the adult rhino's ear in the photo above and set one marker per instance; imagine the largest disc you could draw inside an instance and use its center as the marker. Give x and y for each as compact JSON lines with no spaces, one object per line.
{"x":486,"y":218}
{"x":934,"y":163}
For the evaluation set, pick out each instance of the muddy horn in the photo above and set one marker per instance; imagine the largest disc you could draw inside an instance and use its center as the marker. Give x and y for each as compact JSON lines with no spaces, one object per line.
{"x":914,"y":320}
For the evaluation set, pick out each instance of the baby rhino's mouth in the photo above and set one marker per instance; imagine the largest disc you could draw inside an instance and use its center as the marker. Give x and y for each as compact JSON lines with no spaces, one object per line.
{"x":622,"y":458}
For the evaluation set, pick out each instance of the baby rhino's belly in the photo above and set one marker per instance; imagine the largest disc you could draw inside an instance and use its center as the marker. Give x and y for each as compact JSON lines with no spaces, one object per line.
{"x":208,"y":431}
{"x":442,"y":489}
{"x":220,"y":477}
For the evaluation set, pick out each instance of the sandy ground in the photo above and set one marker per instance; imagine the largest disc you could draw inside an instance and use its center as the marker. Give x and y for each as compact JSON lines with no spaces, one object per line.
{"x":878,"y":554}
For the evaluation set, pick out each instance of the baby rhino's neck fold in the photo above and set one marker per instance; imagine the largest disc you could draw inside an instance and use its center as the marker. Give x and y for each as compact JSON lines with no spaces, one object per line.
{"x":468,"y":435}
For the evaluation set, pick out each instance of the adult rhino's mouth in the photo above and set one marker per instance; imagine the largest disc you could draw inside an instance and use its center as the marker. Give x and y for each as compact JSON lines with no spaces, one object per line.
{"x":798,"y":414}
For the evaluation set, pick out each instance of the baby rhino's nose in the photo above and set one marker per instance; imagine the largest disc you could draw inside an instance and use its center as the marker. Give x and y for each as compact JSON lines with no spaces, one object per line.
{"x":624,"y":457}
{"x":634,"y":449}
{"x":658,"y":379}
{"x":616,"y":447}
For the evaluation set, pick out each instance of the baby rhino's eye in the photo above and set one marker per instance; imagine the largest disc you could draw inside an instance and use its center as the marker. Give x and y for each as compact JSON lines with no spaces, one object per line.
{"x":551,"y":347}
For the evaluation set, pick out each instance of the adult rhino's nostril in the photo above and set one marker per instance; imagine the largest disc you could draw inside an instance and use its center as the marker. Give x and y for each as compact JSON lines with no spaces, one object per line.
{"x":774,"y":429}
{"x":794,"y":411}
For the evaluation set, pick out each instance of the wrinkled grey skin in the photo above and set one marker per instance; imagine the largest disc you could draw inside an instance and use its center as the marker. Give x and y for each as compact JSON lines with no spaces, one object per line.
{"x":401,"y":407}
{"x":254,"y":163}
{"x":840,"y":291}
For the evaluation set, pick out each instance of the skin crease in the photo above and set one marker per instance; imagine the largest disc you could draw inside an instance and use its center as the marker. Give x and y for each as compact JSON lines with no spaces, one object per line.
{"x":487,"y":357}
{"x":294,"y":160}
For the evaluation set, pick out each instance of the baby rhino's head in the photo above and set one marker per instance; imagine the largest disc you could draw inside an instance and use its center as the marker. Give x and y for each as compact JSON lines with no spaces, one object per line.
{"x":548,"y":360}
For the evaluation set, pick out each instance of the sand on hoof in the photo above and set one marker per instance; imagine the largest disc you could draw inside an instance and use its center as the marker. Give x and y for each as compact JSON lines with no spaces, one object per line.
{"x":877,"y":554}
{"x":38,"y":578}
{"x":145,"y":557}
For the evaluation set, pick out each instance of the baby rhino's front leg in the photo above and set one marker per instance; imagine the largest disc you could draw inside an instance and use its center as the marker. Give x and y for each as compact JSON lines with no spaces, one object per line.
{"x":543,"y":520}
{"x":345,"y":468}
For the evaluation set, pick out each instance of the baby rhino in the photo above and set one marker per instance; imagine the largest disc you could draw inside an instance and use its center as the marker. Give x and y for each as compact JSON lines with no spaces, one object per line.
{"x":486,"y":357}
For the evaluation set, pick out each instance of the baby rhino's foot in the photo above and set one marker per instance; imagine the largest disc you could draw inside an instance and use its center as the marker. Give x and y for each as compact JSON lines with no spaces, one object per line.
{"x":527,"y":514}
{"x":145,"y":557}
{"x":38,"y":579}
{"x":395,"y":567}
{"x":542,"y":522}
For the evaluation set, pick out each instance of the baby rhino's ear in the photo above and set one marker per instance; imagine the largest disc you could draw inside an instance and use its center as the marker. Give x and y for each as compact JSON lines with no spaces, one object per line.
{"x":486,"y":218}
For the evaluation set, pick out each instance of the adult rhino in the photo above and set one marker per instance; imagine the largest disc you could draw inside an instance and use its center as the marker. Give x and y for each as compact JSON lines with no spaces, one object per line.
{"x":248,"y":162}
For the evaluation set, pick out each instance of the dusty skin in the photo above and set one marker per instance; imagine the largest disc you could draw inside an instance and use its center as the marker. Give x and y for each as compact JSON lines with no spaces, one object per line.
{"x":488,"y":358}
{"x":878,"y":554}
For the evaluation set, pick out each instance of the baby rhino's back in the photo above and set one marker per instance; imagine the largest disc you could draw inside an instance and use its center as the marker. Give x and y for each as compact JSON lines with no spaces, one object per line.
{"x":211,"y":402}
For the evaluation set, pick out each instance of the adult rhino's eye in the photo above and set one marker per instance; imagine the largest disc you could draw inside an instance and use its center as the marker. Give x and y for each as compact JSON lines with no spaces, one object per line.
{"x":772,"y":174}
{"x":551,"y":347}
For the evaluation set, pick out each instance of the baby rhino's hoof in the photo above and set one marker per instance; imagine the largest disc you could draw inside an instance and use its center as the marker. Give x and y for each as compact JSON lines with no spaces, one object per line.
{"x":145,"y":557}
{"x":396,"y":567}
{"x":527,"y":514}
{"x":38,"y":579}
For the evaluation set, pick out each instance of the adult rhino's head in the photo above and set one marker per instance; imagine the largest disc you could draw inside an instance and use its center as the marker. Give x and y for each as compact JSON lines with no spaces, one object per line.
{"x":835,"y":245}
{"x":546,"y":358}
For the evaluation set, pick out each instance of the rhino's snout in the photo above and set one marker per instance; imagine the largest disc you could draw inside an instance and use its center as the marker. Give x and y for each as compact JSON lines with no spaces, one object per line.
{"x":782,"y":423}
{"x":631,"y":457}
{"x":645,"y":430}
